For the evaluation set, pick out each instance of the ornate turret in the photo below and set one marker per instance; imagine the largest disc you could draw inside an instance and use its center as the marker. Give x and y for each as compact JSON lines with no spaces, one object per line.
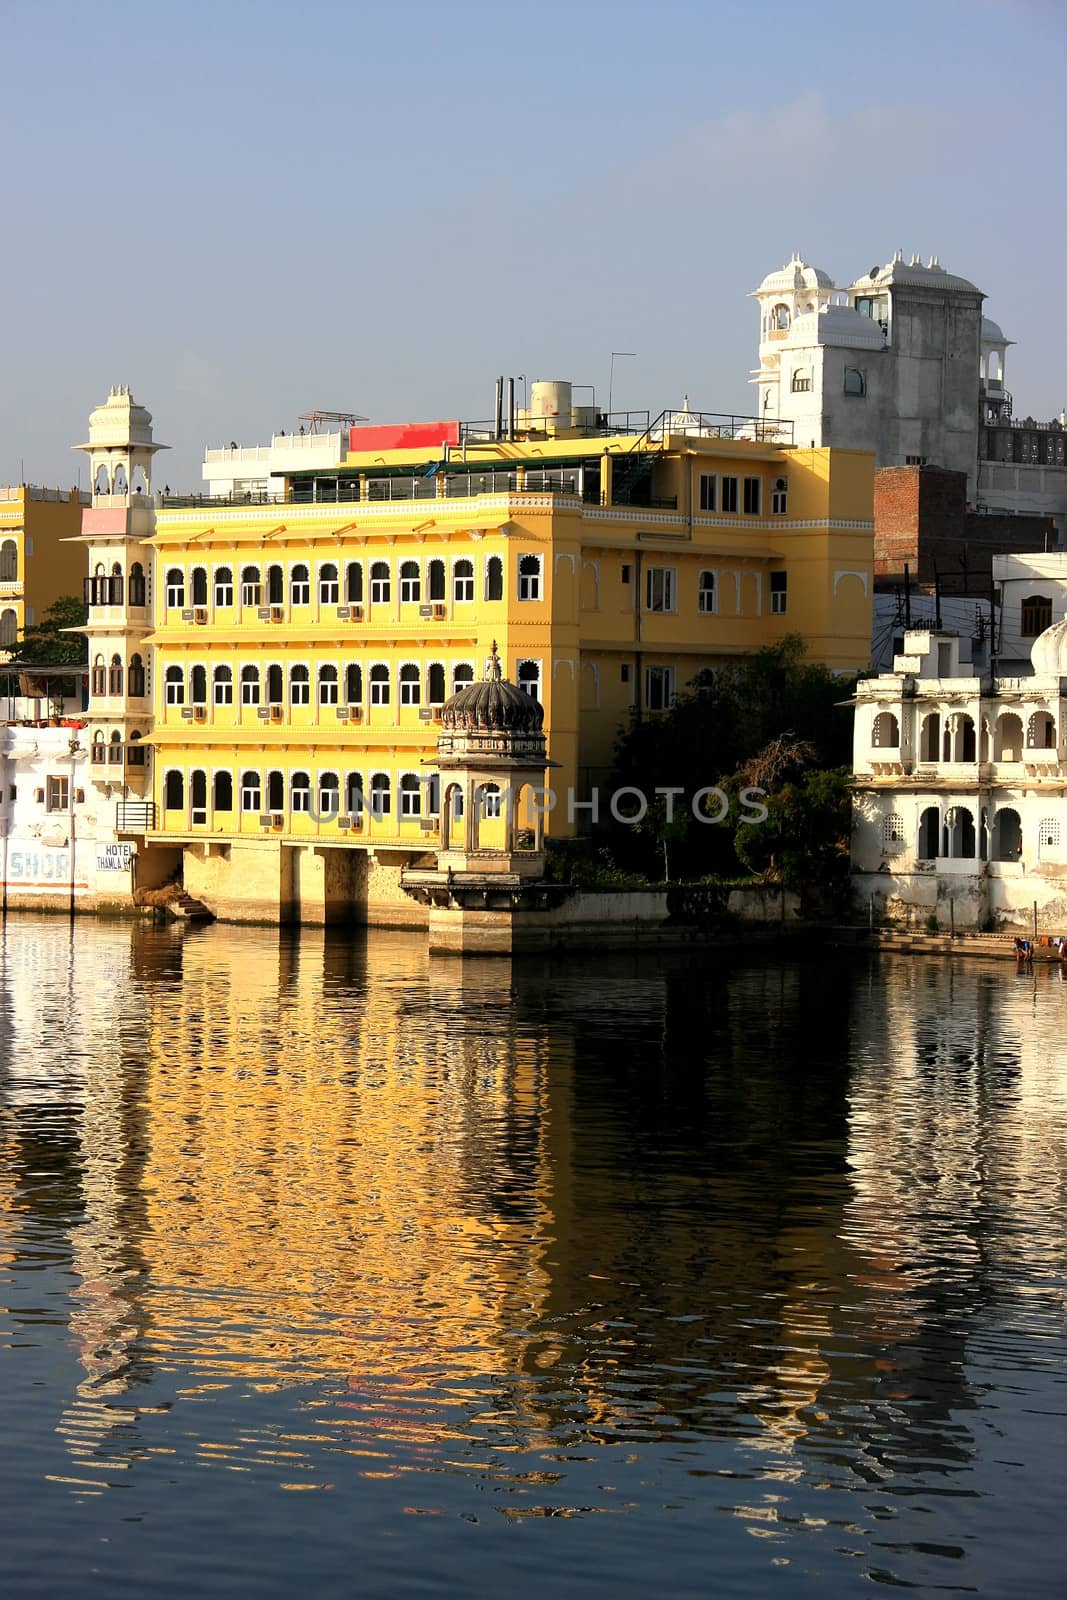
{"x":493,"y":706}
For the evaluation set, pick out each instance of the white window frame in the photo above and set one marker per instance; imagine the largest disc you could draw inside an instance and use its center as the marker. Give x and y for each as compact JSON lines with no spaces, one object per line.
{"x":410,"y":802}
{"x":752,"y":489}
{"x":529,"y":583}
{"x":377,"y":689}
{"x":463,"y":583}
{"x":175,"y":593}
{"x":303,"y":685}
{"x":523,"y":679}
{"x":252,"y":593}
{"x":663,"y":580}
{"x":326,"y":685}
{"x":299,"y":588}
{"x":248,"y":803}
{"x":250,"y":687}
{"x":730,"y":493}
{"x":222,"y":688}
{"x":709,"y":491}
{"x":222,"y":592}
{"x":410,"y":588}
{"x":664,"y":675}
{"x":779,"y":597}
{"x":381,"y":589}
{"x":299,"y":794}
{"x":329,"y":589}
{"x":174,"y":688}
{"x":780,"y":497}
{"x":410,"y":688}
{"x":710,"y":593}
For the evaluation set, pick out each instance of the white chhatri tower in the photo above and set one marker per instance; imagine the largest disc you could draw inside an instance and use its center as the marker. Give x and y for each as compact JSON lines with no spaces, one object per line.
{"x":795,"y":290}
{"x":116,"y":529}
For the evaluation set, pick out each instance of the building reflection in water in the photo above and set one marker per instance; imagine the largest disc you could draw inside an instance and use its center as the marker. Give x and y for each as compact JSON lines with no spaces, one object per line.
{"x":476,"y":1206}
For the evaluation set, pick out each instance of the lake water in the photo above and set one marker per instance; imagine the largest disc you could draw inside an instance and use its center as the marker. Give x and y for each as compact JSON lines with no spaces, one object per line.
{"x":329,"y":1268}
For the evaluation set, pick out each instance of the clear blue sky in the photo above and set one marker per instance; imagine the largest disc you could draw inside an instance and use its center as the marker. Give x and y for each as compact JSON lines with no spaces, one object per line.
{"x":245,"y":211}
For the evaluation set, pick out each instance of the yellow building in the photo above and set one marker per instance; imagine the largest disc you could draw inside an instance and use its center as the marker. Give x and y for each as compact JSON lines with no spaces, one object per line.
{"x":36,"y":566}
{"x":309,"y":626}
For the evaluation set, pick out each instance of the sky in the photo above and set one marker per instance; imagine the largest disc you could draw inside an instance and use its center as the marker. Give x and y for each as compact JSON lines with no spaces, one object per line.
{"x":248,"y":211}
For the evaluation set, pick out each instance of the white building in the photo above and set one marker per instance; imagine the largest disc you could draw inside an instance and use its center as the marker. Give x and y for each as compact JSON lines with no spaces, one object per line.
{"x":1032,"y":590}
{"x":960,"y":810}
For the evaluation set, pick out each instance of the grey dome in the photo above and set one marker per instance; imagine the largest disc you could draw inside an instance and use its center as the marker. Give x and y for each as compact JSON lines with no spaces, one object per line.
{"x":492,"y":706}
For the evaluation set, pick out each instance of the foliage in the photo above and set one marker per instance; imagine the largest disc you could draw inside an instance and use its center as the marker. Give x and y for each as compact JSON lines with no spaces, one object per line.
{"x":804,"y":842}
{"x":46,"y":644}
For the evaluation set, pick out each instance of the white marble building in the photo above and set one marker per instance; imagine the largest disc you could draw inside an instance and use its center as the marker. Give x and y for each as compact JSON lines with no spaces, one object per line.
{"x":960,"y":809}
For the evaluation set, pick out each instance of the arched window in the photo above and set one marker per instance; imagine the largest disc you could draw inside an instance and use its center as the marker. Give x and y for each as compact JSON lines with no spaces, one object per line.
{"x":490,"y":797}
{"x":198,"y":797}
{"x":114,"y":676}
{"x":102,"y":481}
{"x":139,"y":481}
{"x":463,"y":581}
{"x":885,"y":734}
{"x":379,"y":686}
{"x":174,"y":687}
{"x":114,"y":585}
{"x":175,"y":589}
{"x":780,"y":318}
{"x":801,"y":383}
{"x":329,"y":588}
{"x":275,"y":693}
{"x":98,"y":749}
{"x":223,"y":797}
{"x":959,"y":835}
{"x":1008,"y":740}
{"x":436,"y":579}
{"x":275,"y":791}
{"x":138,"y":594}
{"x":354,"y":684}
{"x":435,"y":684}
{"x":174,"y":791}
{"x":327,"y":686}
{"x":120,"y":483}
{"x":114,"y":749}
{"x":1041,"y":731}
{"x":528,"y":678}
{"x":9,"y":628}
{"x":410,"y":796}
{"x":250,"y":686}
{"x":329,"y":794}
{"x":379,"y":583}
{"x":198,"y":686}
{"x":224,"y":586}
{"x":250,"y":791}
{"x":708,"y":595}
{"x":300,"y":792}
{"x":409,"y":685}
{"x":410,"y":583}
{"x":494,"y":578}
{"x":929,"y":834}
{"x":354,"y":583}
{"x":1007,"y":835}
{"x":251,"y":587}
{"x":100,"y":676}
{"x":300,"y":686}
{"x":300,"y":586}
{"x":354,"y":794}
{"x":930,"y":738}
{"x":529,"y":577}
{"x":199,"y":581}
{"x":462,"y":675}
{"x":275,"y":586}
{"x":136,"y":754}
{"x":855,"y":381}
{"x":892,"y":834}
{"x":136,"y":678}
{"x":9,"y":561}
{"x":380,"y":799}
{"x":1036,"y":615}
{"x":223,"y":686}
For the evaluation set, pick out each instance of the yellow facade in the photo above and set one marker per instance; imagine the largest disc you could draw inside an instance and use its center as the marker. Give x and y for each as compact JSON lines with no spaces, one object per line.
{"x":36,"y":566}
{"x":301,"y":651}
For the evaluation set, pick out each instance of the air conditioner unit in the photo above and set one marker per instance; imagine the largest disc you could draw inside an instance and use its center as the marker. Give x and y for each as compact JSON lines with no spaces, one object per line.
{"x":344,"y":822}
{"x":276,"y":613}
{"x":428,"y":824}
{"x":440,"y":611}
{"x":265,"y":820}
{"x":342,"y":613}
{"x":342,"y":713}
{"x":187,"y":713}
{"x":263,"y":613}
{"x":263,"y":713}
{"x":353,"y":821}
{"x":276,"y":713}
{"x":355,"y":613}
{"x":425,"y":713}
{"x":199,"y":613}
{"x":426,"y":611}
{"x":187,"y":614}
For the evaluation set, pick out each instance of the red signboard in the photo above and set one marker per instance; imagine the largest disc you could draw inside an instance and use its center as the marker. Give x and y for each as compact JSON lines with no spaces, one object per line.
{"x":403,"y":436}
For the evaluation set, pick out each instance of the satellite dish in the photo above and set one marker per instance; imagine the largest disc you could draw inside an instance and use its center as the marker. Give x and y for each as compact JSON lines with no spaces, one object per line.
{"x":875,"y":270}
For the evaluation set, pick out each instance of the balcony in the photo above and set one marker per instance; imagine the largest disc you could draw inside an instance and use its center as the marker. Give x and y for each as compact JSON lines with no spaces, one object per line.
{"x":135,"y":816}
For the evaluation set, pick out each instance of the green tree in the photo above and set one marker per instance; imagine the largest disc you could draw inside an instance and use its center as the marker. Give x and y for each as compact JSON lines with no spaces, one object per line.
{"x":47,"y":643}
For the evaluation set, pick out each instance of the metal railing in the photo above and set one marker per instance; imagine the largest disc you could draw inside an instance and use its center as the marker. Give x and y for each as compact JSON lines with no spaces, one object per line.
{"x":135,"y":816}
{"x":719,"y":425}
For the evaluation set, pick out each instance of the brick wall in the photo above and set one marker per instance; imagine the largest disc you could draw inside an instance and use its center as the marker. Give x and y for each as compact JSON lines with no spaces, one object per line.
{"x":921,"y":517}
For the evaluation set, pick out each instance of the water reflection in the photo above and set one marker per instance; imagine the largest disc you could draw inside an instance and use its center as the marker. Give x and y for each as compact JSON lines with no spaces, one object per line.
{"x":627,"y":1237}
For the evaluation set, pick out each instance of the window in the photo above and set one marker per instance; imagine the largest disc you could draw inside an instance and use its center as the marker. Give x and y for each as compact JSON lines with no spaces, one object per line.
{"x":174,"y":687}
{"x":223,"y":797}
{"x":461,"y":676}
{"x":753,"y":496}
{"x":250,"y":686}
{"x":198,"y":686}
{"x":380,"y":801}
{"x":135,"y":678}
{"x":223,"y":686}
{"x":58,"y":794}
{"x":494,"y":578}
{"x":97,"y":752}
{"x":529,"y":577}
{"x":379,"y":686}
{"x":275,"y":791}
{"x":354,"y":684}
{"x":175,"y":589}
{"x":729,"y":494}
{"x":174,"y":792}
{"x":659,"y":589}
{"x":435,"y":684}
{"x":1036,"y":615}
{"x":115,"y":586}
{"x":354,"y":794}
{"x":410,"y":583}
{"x":114,"y":749}
{"x":329,"y":588}
{"x":892,"y":832}
{"x":916,"y":461}
{"x":409,"y":685}
{"x":114,"y":676}
{"x":275,"y":586}
{"x":528,"y":678}
{"x":354,"y":583}
{"x":1041,"y":731}
{"x":779,"y":497}
{"x":198,"y":798}
{"x":779,"y":593}
{"x":300,"y":586}
{"x":224,"y":586}
{"x":855,"y":381}
{"x":659,"y":688}
{"x":885,"y":733}
{"x":708,"y":486}
{"x":251,"y":588}
{"x":136,"y":754}
{"x":436,"y":577}
{"x":780,"y":318}
{"x":379,"y":583}
{"x":300,"y":687}
{"x":199,"y":586}
{"x":250,"y":791}
{"x":99,"y":675}
{"x":274,"y":685}
{"x":410,"y":796}
{"x":627,"y":572}
{"x":708,"y":594}
{"x":300,"y":792}
{"x":491,"y":800}
{"x":9,"y":561}
{"x":624,"y":672}
{"x":137,"y":585}
{"x":329,"y":794}
{"x":801,"y":381}
{"x":463,"y":581}
{"x":1048,"y":832}
{"x":9,"y":628}
{"x":328,"y":686}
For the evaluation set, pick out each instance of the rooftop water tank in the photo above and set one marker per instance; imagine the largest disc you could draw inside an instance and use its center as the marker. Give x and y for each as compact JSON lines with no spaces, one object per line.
{"x":550,"y":406}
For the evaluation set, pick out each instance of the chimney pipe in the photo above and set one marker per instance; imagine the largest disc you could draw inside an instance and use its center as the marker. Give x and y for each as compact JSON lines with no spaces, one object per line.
{"x":511,"y":408}
{"x":499,"y":415}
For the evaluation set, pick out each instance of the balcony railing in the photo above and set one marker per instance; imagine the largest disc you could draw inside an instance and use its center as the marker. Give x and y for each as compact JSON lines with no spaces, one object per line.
{"x":135,"y":816}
